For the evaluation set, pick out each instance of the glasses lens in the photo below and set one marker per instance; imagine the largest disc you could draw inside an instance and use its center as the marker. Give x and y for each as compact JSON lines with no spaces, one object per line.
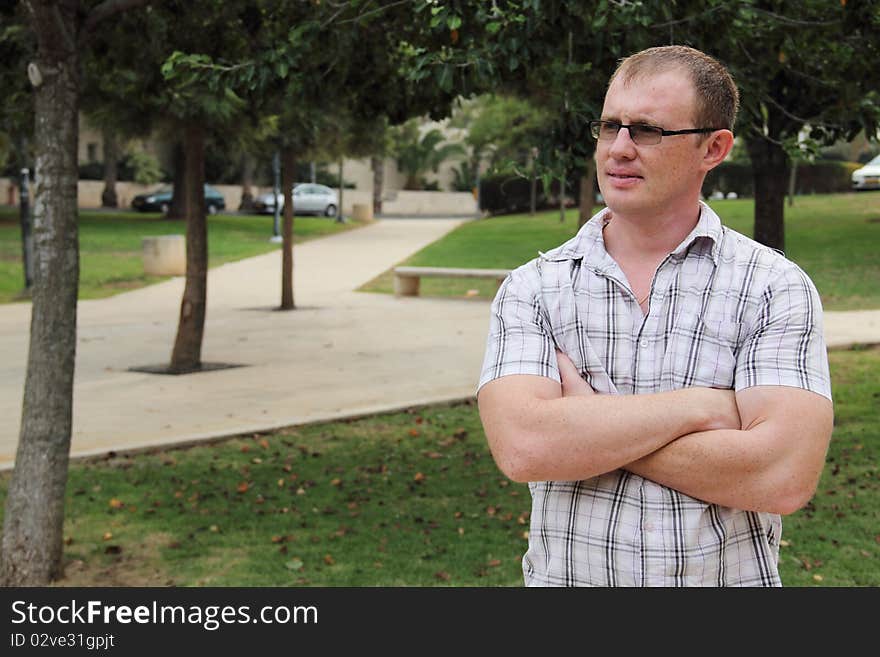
{"x":608,"y":130}
{"x":645,"y":135}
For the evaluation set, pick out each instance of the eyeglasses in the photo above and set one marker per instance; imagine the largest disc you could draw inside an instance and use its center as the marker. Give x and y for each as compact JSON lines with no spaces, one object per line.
{"x":641,"y":134}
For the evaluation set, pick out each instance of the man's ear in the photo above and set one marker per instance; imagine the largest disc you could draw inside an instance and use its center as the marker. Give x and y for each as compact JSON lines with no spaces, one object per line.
{"x":716,"y":148}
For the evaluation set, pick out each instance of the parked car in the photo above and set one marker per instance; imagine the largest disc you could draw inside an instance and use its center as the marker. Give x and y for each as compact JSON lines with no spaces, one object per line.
{"x":308,"y":198}
{"x":868,"y":177}
{"x":160,"y":200}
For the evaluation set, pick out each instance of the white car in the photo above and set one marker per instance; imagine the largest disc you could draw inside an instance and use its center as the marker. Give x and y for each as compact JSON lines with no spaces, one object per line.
{"x":868,"y":177}
{"x":308,"y":198}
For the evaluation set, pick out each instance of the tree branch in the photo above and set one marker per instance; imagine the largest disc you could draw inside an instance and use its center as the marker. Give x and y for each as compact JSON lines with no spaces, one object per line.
{"x":374,"y":11}
{"x":105,"y":10}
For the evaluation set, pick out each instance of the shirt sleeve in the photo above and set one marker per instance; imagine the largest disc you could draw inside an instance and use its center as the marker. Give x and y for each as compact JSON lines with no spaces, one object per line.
{"x":786,"y":346}
{"x":520,"y":340}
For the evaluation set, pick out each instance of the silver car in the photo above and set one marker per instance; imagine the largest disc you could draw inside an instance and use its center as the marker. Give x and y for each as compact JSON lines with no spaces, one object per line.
{"x":868,"y":177}
{"x":308,"y":198}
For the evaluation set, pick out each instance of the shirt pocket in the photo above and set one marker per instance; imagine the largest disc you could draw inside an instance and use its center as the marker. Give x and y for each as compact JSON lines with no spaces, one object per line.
{"x":701,"y":352}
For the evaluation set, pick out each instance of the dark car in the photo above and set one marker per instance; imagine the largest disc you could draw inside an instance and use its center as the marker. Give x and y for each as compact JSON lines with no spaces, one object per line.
{"x":160,"y":200}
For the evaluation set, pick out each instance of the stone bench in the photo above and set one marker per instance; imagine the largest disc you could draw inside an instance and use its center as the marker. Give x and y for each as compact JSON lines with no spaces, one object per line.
{"x":164,"y":255}
{"x":407,"y":279}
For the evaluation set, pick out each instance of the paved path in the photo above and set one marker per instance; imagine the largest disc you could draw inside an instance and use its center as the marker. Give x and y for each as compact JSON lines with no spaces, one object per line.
{"x":340,"y":354}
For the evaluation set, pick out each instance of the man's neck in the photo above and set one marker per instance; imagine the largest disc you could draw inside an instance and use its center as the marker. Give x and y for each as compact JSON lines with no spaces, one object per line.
{"x":628,"y":238}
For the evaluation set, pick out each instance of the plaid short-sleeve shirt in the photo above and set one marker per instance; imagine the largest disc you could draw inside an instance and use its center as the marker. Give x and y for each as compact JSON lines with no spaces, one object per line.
{"x":725,"y":312}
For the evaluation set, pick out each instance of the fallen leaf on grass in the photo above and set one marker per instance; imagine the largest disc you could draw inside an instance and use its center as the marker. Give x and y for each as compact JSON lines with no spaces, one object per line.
{"x":68,"y":540}
{"x":264,"y":443}
{"x":242,"y":487}
{"x":329,"y":560}
{"x":214,"y":528}
{"x":494,"y":563}
{"x":116,"y":503}
{"x":419,"y":477}
{"x":433,"y":455}
{"x":294,"y":564}
{"x":784,"y":543}
{"x":336,"y":482}
{"x":107,"y":536}
{"x":413,"y":432}
{"x":818,"y":578}
{"x":442,"y":575}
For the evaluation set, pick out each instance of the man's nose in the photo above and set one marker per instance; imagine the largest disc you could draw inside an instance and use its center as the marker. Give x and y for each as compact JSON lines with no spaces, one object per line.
{"x":622,"y":146}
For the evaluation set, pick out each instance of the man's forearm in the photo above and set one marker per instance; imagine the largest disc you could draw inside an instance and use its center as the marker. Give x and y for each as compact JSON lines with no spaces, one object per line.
{"x":772,"y":465}
{"x":546,"y":436}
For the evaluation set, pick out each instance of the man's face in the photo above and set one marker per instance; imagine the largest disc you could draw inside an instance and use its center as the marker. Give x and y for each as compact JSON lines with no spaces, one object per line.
{"x":658,"y":181}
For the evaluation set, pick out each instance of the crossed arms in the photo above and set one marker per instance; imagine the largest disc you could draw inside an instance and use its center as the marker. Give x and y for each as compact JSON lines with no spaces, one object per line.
{"x":761,"y":449}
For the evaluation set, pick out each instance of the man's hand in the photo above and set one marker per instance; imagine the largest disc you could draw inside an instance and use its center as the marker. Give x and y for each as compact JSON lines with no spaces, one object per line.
{"x":572,"y":383}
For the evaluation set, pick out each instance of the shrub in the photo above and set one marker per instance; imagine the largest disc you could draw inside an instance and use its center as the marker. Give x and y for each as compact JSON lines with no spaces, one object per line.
{"x":822,"y":177}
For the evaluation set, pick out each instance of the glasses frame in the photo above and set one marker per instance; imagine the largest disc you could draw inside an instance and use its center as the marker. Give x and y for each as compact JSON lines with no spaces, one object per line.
{"x":596,"y":131}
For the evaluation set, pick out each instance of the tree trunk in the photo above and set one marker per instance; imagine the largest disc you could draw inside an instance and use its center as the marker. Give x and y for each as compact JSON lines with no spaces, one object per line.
{"x":111,"y":156}
{"x":770,"y":166}
{"x":187,"y":353}
{"x":587,"y":194}
{"x":378,"y":166}
{"x":247,"y":182}
{"x":178,"y":203}
{"x":288,"y":177}
{"x":34,"y":516}
{"x":562,"y":199}
{"x":533,"y":183}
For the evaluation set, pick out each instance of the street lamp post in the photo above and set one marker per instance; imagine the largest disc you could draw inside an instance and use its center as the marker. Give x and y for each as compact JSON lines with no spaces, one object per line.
{"x":276,"y":174}
{"x":27,"y":241}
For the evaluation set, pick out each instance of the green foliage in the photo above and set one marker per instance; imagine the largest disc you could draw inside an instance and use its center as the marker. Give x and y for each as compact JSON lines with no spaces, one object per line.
{"x":418,"y":152}
{"x":145,"y":167}
{"x":16,"y":103}
{"x":465,"y":177}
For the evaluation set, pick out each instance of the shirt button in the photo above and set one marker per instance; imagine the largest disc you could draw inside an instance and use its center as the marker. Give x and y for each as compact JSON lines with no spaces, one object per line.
{"x":643,"y":344}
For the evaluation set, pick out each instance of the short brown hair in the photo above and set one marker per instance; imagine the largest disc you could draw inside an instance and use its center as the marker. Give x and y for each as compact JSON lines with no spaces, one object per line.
{"x":717,"y":95}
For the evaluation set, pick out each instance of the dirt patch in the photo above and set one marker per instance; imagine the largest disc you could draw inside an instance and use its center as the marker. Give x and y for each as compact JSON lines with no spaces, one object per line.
{"x":133,"y":566}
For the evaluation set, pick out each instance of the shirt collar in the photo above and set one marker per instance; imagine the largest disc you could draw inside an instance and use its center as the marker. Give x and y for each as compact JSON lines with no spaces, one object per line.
{"x":589,"y":244}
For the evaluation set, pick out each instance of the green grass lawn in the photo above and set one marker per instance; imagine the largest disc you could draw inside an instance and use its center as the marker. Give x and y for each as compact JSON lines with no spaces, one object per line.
{"x":406,"y":499}
{"x":111,"y":247}
{"x":834,"y":238}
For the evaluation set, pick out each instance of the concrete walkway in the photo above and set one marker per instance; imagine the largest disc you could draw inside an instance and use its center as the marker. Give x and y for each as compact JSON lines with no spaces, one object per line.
{"x":340,"y":354}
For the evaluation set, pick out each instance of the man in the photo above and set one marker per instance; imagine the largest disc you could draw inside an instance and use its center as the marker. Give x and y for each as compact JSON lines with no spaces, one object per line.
{"x":713,"y":413}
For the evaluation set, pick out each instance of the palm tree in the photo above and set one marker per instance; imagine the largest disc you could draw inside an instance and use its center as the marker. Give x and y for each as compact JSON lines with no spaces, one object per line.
{"x":416,"y":155}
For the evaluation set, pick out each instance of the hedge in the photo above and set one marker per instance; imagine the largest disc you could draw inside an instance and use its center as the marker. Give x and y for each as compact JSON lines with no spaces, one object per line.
{"x":823,"y":177}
